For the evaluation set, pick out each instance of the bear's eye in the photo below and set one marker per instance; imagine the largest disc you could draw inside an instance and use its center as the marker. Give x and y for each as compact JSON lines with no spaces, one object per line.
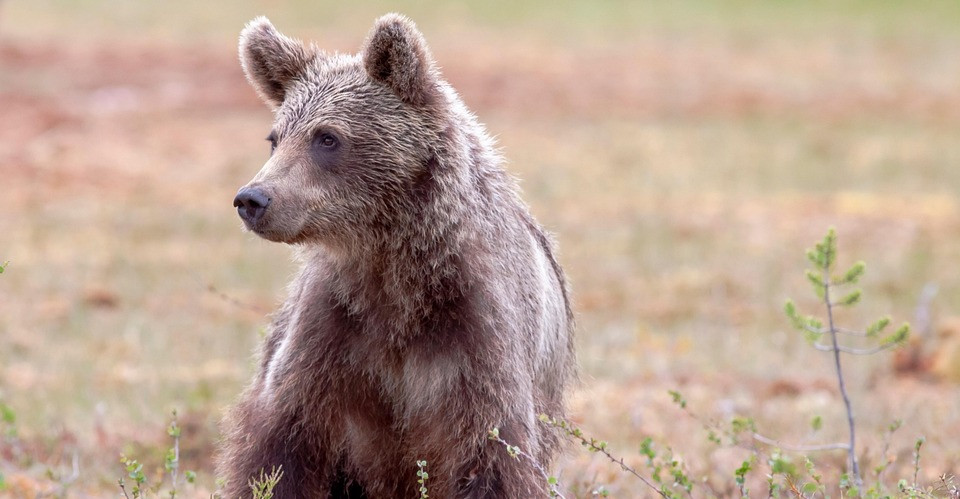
{"x":272,"y":138}
{"x":326,"y":141}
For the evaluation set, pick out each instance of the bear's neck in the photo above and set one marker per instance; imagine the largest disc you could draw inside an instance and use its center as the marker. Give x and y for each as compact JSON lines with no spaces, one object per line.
{"x":395,"y":287}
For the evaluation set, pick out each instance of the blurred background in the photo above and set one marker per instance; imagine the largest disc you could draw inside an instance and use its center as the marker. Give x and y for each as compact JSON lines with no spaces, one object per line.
{"x":685,"y":154}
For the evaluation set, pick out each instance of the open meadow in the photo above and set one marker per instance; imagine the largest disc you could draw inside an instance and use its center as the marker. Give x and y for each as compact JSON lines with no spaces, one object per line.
{"x":684,"y":154}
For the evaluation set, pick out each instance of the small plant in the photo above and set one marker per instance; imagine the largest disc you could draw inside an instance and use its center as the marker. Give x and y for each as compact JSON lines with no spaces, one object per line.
{"x":171,"y":461}
{"x":783,"y":474}
{"x":263,"y":486}
{"x":171,"y":466}
{"x":422,"y":478}
{"x":8,"y":420}
{"x":827,"y":287}
{"x":3,"y":266}
{"x":740,"y":476}
{"x":135,"y":472}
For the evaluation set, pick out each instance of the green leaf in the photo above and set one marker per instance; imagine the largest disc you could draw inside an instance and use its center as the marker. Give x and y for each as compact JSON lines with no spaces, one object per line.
{"x":714,"y":438}
{"x":895,"y":425}
{"x":878,"y":326}
{"x":816,"y":423}
{"x":812,"y":470}
{"x":742,"y":471}
{"x":829,"y":247}
{"x":817,"y":282}
{"x":678,"y":399}
{"x":898,"y":336}
{"x":844,"y":481}
{"x":810,"y":488}
{"x":815,"y":258}
{"x":791,"y":312}
{"x":191,"y":476}
{"x":811,"y":336}
{"x":854,"y":274}
{"x":780,"y":465}
{"x":646,"y":448}
{"x":741,"y":424}
{"x":7,"y":415}
{"x":851,"y":299}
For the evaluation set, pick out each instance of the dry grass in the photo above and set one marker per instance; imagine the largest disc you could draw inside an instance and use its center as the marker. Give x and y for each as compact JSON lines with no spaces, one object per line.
{"x":684,"y":156}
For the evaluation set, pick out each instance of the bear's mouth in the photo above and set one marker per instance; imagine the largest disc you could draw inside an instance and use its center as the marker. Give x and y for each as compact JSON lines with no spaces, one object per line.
{"x":271,"y":235}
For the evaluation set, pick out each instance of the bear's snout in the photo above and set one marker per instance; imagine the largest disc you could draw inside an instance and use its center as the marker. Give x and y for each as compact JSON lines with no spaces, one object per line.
{"x":251,"y":204}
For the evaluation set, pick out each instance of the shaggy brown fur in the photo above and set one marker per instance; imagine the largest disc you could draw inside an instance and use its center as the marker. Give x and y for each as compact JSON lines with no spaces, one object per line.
{"x":429,"y":307}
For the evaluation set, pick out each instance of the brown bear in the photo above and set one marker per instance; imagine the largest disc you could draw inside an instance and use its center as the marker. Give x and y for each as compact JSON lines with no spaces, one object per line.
{"x":429,"y":308}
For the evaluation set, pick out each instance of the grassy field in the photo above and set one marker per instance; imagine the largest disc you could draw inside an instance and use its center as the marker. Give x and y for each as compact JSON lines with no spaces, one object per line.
{"x":685,"y":154}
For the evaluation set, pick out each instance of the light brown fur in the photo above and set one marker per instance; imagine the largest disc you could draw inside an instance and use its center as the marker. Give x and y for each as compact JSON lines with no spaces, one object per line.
{"x":429,"y":307}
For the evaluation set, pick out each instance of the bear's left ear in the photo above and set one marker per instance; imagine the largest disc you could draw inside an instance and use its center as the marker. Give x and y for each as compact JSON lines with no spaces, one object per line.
{"x":271,"y":60}
{"x":396,"y":55}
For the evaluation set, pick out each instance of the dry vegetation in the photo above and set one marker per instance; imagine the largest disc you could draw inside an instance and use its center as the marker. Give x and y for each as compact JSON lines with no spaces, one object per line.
{"x":684,"y":153}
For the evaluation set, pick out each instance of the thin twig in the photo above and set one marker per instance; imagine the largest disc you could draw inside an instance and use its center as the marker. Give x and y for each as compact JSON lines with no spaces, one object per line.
{"x":175,"y":463}
{"x":855,"y":351}
{"x":799,"y":448}
{"x":916,"y":460}
{"x":123,"y":488}
{"x":233,"y":301}
{"x":840,"y":330}
{"x":851,"y":451}
{"x":74,"y":473}
{"x":630,"y":470}
{"x":887,"y":437}
{"x":711,"y":425}
{"x":922,"y":316}
{"x":591,"y":444}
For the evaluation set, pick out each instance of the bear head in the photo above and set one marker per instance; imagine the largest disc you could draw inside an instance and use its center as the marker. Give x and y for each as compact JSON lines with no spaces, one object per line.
{"x":354,"y":138}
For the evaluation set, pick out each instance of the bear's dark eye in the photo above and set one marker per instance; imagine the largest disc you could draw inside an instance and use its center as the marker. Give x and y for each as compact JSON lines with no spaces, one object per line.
{"x":326,"y":141}
{"x":272,"y":138}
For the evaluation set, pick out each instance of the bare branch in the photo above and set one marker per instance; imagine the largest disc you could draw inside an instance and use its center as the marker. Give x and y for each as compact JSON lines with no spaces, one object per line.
{"x":855,"y":351}
{"x":799,"y":448}
{"x":850,"y":332}
{"x":600,"y":447}
{"x":922,"y":315}
{"x":123,"y":488}
{"x":235,"y":302}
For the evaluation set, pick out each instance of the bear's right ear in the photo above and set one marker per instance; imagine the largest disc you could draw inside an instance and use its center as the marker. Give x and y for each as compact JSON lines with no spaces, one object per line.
{"x":271,"y":60}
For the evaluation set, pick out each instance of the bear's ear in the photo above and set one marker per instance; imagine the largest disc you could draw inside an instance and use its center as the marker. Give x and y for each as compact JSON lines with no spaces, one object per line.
{"x":271,"y":60}
{"x":396,"y":55}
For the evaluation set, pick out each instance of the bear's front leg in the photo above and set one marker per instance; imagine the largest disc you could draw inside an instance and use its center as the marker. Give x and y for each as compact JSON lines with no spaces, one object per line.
{"x":452,"y":435}
{"x":493,"y":473}
{"x":260,"y":439}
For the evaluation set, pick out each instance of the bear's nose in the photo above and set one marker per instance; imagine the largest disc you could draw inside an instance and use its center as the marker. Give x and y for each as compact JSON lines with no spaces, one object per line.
{"x":251,"y":204}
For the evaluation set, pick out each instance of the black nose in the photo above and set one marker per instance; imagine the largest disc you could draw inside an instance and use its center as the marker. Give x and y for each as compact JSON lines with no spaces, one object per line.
{"x":251,"y":204}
